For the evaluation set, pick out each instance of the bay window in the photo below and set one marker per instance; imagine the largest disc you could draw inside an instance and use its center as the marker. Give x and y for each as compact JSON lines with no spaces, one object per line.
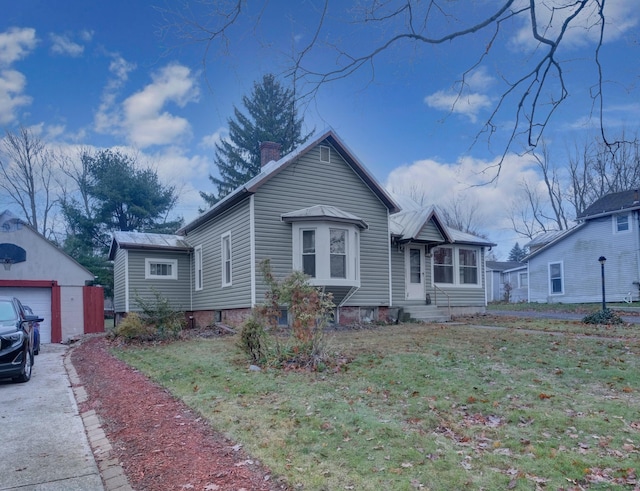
{"x":327,"y":252}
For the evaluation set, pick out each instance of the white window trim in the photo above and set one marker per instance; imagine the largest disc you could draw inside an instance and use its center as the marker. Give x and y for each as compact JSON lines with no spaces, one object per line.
{"x":456,"y":267}
{"x":199,"y":278}
{"x":551,"y":292}
{"x":520,"y":275}
{"x":323,"y":270}
{"x":147,"y":268}
{"x":615,"y":223}
{"x":328,"y":149}
{"x":223,"y":258}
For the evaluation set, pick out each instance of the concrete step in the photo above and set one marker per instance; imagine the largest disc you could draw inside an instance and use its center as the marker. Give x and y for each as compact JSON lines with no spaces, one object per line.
{"x":427,"y":313}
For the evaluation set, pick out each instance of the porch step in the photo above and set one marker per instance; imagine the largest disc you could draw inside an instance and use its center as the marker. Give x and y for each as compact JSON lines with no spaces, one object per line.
{"x":427,"y":313}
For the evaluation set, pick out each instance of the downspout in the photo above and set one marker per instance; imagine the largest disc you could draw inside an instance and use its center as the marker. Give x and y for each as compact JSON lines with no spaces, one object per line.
{"x":636,"y":238}
{"x":192,"y":262}
{"x":389,"y":261}
{"x":126,"y":280}
{"x":252,"y":248}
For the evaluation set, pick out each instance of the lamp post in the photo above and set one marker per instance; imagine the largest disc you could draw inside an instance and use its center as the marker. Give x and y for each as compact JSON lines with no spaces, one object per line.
{"x":602,"y":260}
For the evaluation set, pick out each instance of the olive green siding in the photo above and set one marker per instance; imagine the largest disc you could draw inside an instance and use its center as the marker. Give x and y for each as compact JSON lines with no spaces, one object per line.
{"x":119,"y":281}
{"x":175,"y":290}
{"x":430,"y":232}
{"x":459,"y":296}
{"x":215,"y":296}
{"x":308,"y":182}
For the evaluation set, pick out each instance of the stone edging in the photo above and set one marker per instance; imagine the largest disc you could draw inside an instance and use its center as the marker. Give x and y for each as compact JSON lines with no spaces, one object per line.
{"x":113,"y":476}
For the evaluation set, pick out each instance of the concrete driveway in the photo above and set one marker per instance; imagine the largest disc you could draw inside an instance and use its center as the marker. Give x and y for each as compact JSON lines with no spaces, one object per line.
{"x":43,"y":444}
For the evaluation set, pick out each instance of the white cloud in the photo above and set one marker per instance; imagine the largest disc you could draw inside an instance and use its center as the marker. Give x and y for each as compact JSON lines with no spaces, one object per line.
{"x":621,"y":17}
{"x":12,"y":84}
{"x":108,"y":117}
{"x":145,"y":121}
{"x":210,"y":141}
{"x":472,"y":181}
{"x":15,"y":44}
{"x":62,"y":45}
{"x":468,"y":99}
{"x":468,"y":105}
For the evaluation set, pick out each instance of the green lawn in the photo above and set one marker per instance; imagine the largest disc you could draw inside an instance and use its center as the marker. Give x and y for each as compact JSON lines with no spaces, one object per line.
{"x":437,"y":407}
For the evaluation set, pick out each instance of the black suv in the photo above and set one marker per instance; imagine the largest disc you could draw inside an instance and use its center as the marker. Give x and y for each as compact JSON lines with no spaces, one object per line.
{"x":16,"y":340}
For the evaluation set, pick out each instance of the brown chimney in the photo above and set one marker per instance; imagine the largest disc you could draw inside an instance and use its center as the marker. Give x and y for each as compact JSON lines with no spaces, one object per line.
{"x":269,"y":151}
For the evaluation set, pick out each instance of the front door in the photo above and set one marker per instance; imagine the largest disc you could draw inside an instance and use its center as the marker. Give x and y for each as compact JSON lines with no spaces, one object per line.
{"x":414,"y":272}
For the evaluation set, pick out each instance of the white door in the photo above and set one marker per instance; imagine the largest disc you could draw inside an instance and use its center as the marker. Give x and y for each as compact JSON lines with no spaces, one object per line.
{"x":414,"y":272}
{"x":39,"y":299}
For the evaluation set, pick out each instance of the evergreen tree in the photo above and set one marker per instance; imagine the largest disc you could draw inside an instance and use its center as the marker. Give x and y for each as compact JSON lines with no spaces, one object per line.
{"x":517,"y":253}
{"x":271,"y":116}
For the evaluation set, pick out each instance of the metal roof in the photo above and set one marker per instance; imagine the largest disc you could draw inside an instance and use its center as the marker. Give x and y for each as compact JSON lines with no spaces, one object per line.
{"x":272,"y":168}
{"x":142,"y":240}
{"x":322,"y":212}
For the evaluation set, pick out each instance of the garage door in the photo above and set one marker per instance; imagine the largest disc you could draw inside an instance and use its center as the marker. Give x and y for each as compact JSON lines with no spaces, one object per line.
{"x":39,"y":299}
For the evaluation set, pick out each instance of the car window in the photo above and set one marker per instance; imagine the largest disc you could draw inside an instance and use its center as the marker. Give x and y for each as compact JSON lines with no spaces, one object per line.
{"x":6,"y":311}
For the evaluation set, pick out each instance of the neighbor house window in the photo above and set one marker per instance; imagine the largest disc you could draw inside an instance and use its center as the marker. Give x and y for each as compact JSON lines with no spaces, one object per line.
{"x":227,"y":266}
{"x":455,"y":265}
{"x":161,"y":269}
{"x":555,"y":279}
{"x":198,"y":267}
{"x":621,"y":222}
{"x":523,"y":280}
{"x":328,"y":254}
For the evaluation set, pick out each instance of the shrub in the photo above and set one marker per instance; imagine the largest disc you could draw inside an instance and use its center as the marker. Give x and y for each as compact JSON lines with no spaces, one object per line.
{"x":309,"y":312}
{"x":161,"y":319}
{"x":604,"y":317}
{"x":133,"y":327}
{"x":253,"y":340}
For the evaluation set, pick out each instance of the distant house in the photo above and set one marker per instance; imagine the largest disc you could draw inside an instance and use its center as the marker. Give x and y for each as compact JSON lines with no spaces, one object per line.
{"x":46,"y":279}
{"x":317,"y":210}
{"x":566,"y":268}
{"x":507,"y":280}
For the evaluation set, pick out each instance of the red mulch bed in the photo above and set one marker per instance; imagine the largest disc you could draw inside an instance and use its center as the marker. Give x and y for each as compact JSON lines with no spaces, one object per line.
{"x":160,"y":442}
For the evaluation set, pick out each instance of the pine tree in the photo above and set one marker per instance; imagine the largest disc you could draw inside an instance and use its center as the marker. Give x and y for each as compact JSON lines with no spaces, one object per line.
{"x":517,"y":253}
{"x":272,"y":116}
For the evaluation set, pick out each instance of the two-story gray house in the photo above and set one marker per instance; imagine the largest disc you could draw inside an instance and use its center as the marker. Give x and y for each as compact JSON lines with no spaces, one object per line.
{"x":566,"y":268}
{"x":317,"y":210}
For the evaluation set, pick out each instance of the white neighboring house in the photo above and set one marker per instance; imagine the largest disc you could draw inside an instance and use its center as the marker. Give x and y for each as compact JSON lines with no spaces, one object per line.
{"x":46,"y":279}
{"x":567,"y":268}
{"x":502,"y":273}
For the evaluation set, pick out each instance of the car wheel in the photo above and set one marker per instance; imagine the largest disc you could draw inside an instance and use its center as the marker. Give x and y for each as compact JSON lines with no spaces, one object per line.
{"x":25,"y":376}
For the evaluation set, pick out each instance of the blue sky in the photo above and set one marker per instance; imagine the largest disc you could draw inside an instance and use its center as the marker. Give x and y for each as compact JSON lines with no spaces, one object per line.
{"x":89,"y":74}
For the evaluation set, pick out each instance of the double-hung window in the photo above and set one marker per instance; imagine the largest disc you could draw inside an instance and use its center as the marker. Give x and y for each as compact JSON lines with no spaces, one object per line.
{"x":227,"y":265}
{"x":621,"y":223}
{"x":556,"y":278}
{"x":160,"y":269}
{"x":198,"y":268}
{"x":456,"y":265}
{"x":309,"y":252}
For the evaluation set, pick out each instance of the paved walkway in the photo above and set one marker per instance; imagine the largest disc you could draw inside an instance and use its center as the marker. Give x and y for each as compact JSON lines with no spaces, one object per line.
{"x":46,"y":444}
